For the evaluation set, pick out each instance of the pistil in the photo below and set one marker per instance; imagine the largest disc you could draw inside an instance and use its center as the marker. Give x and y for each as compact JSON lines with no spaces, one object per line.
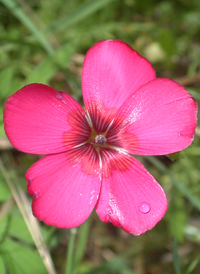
{"x":100,"y":140}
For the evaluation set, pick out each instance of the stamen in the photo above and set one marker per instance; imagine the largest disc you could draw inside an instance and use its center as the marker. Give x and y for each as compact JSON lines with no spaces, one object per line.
{"x":100,"y":139}
{"x":100,"y":166}
{"x":80,"y":144}
{"x":109,"y":126}
{"x":88,"y":118}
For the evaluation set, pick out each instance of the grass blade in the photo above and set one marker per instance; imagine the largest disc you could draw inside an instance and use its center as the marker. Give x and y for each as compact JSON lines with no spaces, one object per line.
{"x":27,"y":22}
{"x":81,"y":242}
{"x":49,"y":66}
{"x":31,"y":222}
{"x":81,"y":13}
{"x":193,"y":264}
{"x":176,"y":258}
{"x":70,"y":251}
{"x":193,"y":200}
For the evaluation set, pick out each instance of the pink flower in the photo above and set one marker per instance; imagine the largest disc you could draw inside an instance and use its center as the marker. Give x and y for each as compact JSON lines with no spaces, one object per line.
{"x":87,"y":163}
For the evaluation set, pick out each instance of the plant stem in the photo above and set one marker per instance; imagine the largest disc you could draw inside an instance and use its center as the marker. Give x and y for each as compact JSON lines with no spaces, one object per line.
{"x":69,"y":262}
{"x":176,"y":258}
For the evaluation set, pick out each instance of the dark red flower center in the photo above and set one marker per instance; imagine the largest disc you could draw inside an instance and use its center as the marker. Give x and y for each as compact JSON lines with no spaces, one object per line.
{"x":98,"y":147}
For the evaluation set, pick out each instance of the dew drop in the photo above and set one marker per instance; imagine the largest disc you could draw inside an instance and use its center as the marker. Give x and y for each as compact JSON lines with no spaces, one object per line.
{"x":59,"y":95}
{"x":108,"y":211}
{"x":144,"y":208}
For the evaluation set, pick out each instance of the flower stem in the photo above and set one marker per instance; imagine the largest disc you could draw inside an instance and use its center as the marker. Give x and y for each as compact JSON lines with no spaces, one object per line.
{"x":69,"y":262}
{"x":81,"y":243}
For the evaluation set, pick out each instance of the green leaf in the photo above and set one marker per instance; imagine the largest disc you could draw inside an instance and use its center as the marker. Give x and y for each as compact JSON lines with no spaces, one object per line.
{"x":43,"y":72}
{"x":63,"y":55}
{"x":2,"y":266}
{"x":49,"y":66}
{"x":2,"y":132}
{"x":20,"y":259}
{"x":6,"y":76}
{"x":195,"y":94}
{"x":175,"y":156}
{"x":4,"y":227}
{"x":18,"y":228}
{"x":167,"y":41}
{"x":4,"y":190}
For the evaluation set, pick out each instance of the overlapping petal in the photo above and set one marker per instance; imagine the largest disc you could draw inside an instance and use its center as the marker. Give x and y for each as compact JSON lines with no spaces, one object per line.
{"x":40,"y":120}
{"x":64,"y":193}
{"x":160,"y":118}
{"x":112,"y":71}
{"x":130,"y":197}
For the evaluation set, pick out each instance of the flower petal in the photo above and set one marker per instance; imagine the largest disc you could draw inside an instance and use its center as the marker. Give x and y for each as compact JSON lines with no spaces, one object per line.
{"x":112,"y":71}
{"x":40,"y":120}
{"x":64,"y":194}
{"x":160,"y":118}
{"x":130,"y":197}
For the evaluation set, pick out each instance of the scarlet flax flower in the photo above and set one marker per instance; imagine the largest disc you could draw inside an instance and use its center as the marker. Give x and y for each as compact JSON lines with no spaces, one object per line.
{"x":87,"y":163}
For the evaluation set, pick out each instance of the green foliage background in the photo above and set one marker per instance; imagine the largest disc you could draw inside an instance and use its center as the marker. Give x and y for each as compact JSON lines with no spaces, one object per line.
{"x":45,"y":41}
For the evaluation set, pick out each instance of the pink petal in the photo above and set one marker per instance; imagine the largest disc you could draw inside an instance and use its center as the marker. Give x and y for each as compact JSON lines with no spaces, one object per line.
{"x":130,"y":197}
{"x":112,"y":71}
{"x":64,"y":191}
{"x":40,"y":120}
{"x":160,"y":118}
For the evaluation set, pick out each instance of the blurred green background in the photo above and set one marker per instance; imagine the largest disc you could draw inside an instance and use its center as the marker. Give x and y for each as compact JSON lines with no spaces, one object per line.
{"x":45,"y":41}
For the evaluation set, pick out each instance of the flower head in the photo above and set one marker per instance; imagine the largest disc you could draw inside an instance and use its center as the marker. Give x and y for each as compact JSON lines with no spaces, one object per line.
{"x":87,"y":163}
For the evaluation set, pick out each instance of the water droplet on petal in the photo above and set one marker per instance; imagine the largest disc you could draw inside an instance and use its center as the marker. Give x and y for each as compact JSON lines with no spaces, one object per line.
{"x":59,"y":95}
{"x":144,"y":208}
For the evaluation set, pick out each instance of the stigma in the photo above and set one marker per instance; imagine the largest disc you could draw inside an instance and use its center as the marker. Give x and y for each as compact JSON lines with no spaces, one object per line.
{"x":100,"y":140}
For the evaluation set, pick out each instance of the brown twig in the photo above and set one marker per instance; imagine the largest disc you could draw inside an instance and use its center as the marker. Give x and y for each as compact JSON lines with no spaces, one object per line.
{"x":188,"y":80}
{"x":5,"y":144}
{"x":28,"y":10}
{"x":197,"y":131}
{"x":31,"y":222}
